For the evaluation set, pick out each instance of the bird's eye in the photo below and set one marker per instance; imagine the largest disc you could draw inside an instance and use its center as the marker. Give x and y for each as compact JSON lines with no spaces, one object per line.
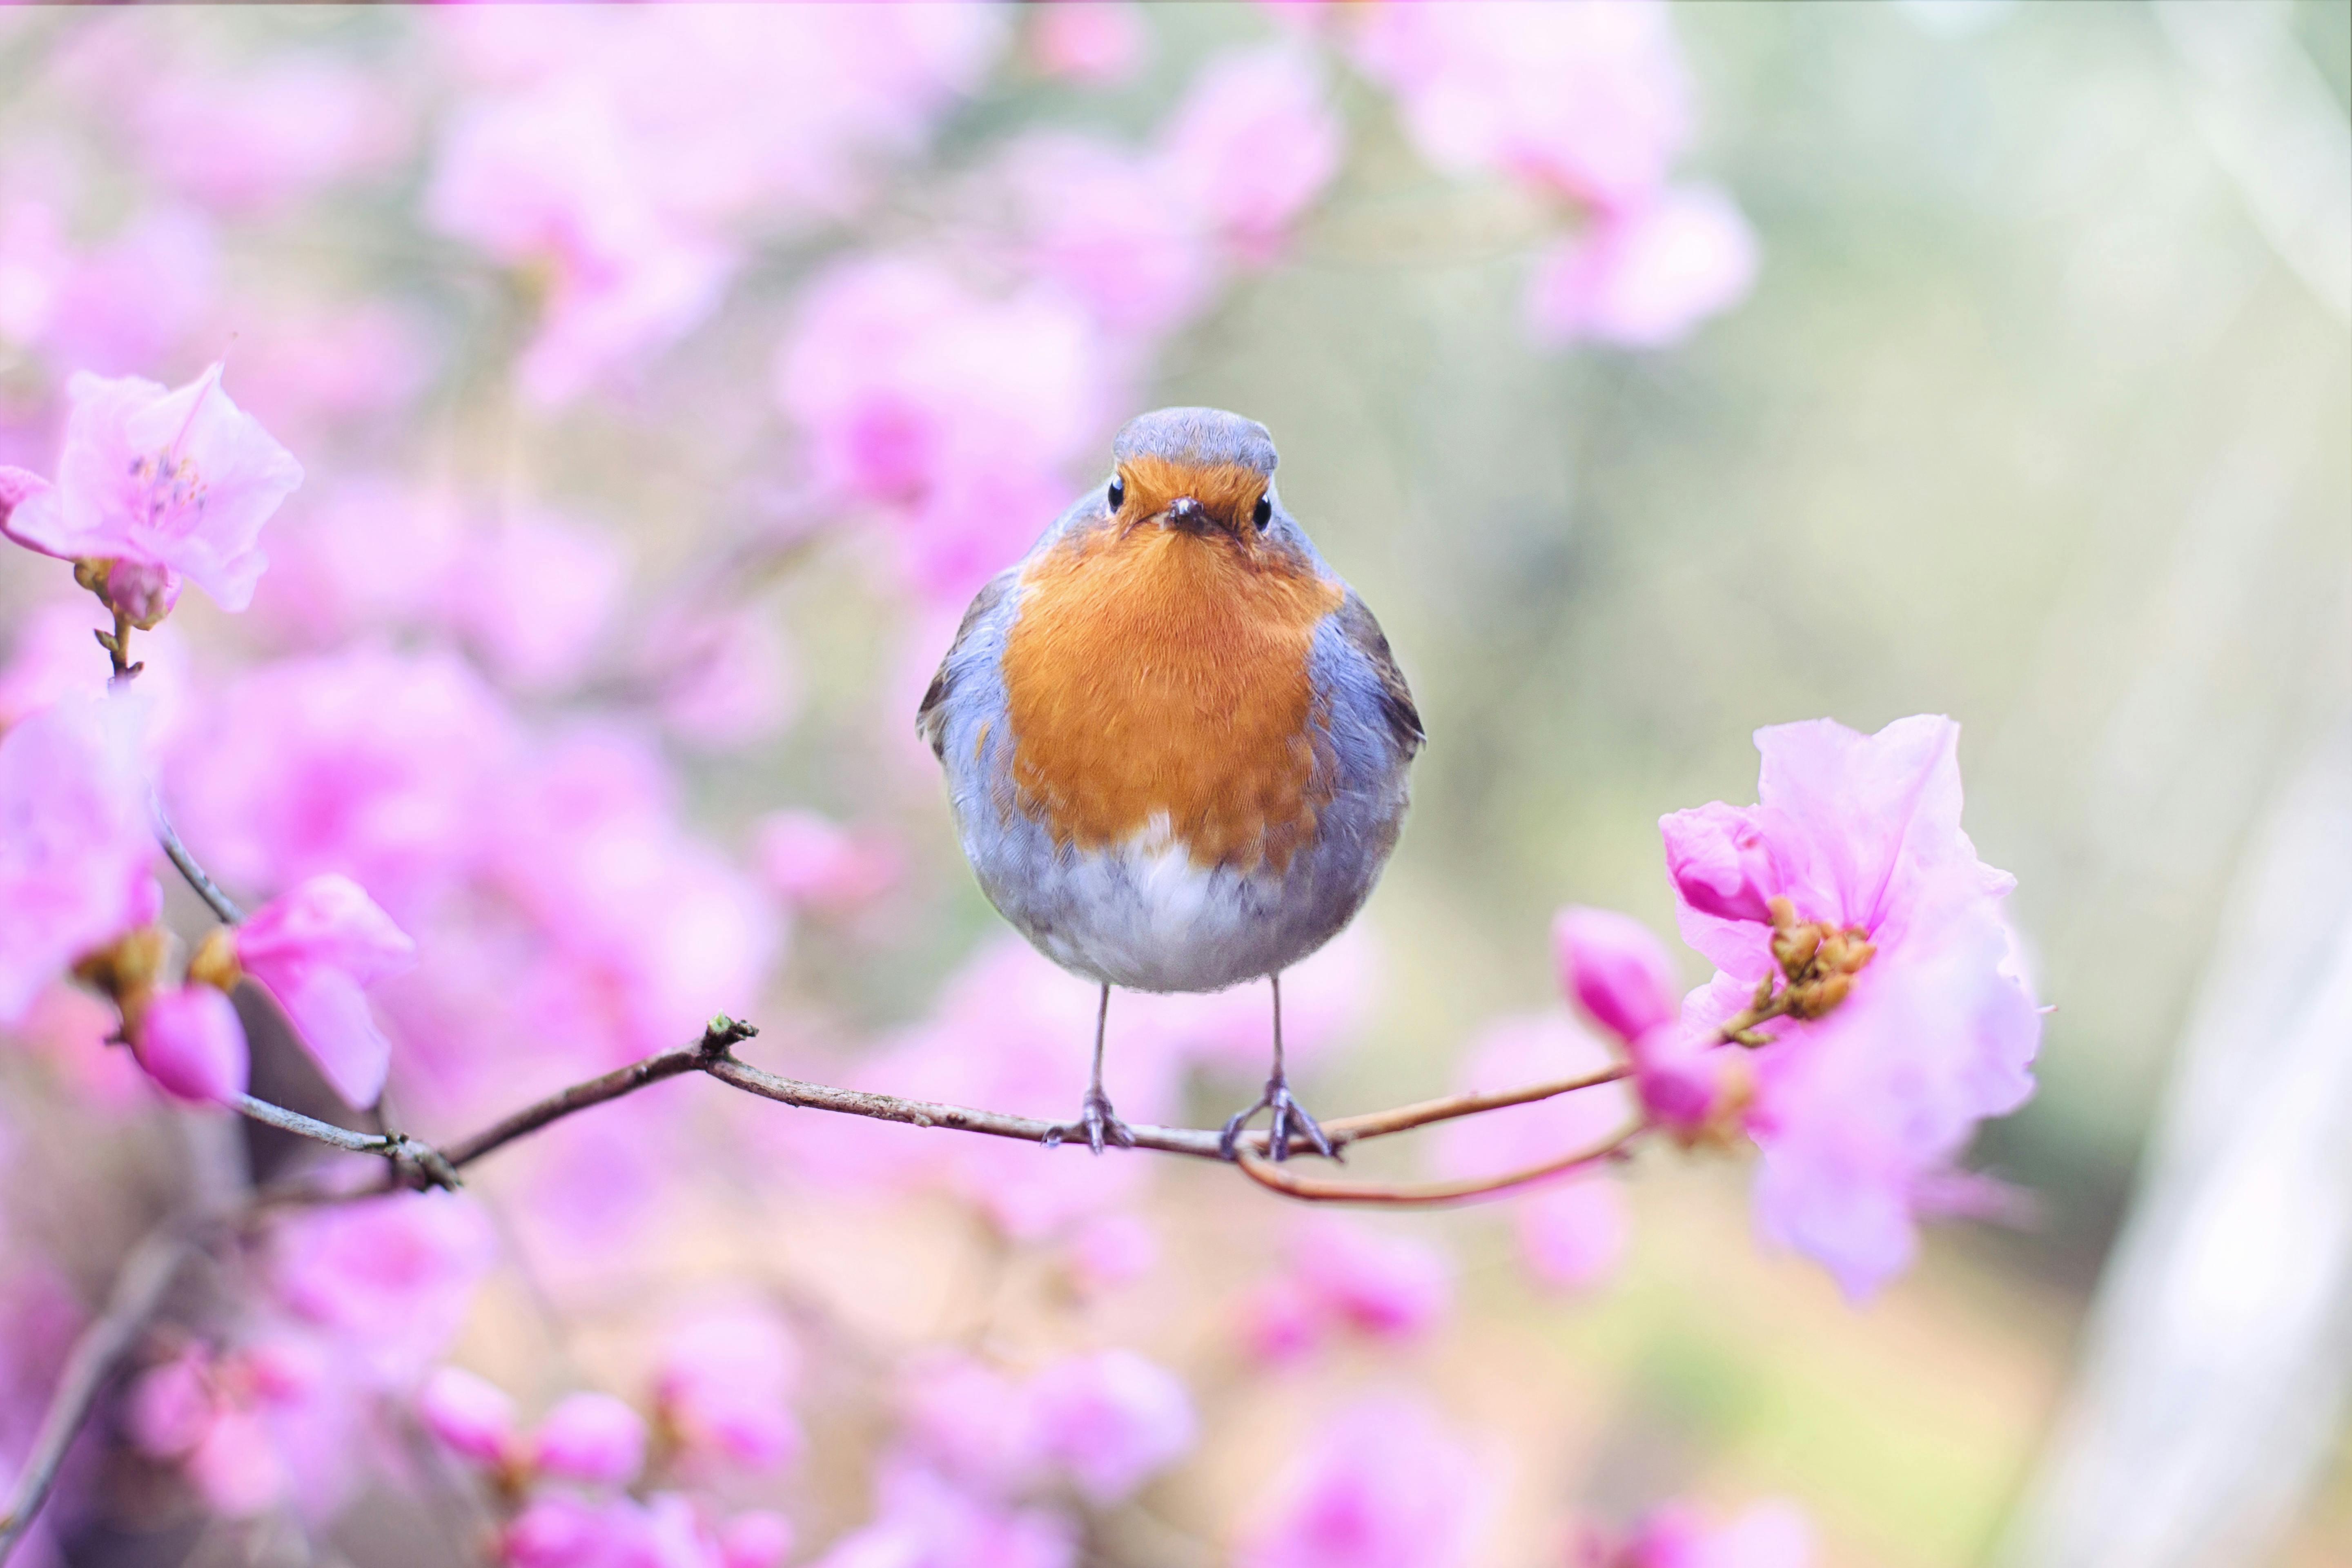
{"x":1117,"y":493}
{"x":1263,"y":513}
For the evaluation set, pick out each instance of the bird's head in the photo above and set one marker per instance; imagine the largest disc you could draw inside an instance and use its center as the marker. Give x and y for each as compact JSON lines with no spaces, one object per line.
{"x":1201,"y":471}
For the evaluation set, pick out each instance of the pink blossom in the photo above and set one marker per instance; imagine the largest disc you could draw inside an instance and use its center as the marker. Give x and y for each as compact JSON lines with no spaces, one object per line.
{"x":252,"y":1429}
{"x":921,"y":1520}
{"x":952,"y":413}
{"x":76,"y":840}
{"x":138,"y":298}
{"x":370,"y":555}
{"x":260,"y":138}
{"x":1643,"y":277}
{"x":534,"y":593}
{"x":592,"y":1439}
{"x":1111,"y":1251}
{"x":756,"y":1539}
{"x":1097,"y":220}
{"x":53,"y":654}
{"x":1575,"y":1233}
{"x":974,"y":1424}
{"x":35,"y":262}
{"x":1113,"y":1420}
{"x":549,"y":179}
{"x":1097,"y":43}
{"x":190,"y":1042}
{"x":1591,"y":100}
{"x":316,"y":949}
{"x":1862,"y":1110}
{"x":316,"y":366}
{"x":161,"y":485}
{"x":1616,"y":969}
{"x":472,"y":1416}
{"x":723,"y":1388}
{"x":1382,"y":1485}
{"x":816,"y":863}
{"x":1252,"y":145}
{"x":390,"y":1277}
{"x":1390,"y":1286}
{"x":1766,"y":1535}
{"x":727,"y":679}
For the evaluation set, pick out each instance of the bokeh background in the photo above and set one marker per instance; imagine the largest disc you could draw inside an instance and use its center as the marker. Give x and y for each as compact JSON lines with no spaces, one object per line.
{"x":2036,"y":411}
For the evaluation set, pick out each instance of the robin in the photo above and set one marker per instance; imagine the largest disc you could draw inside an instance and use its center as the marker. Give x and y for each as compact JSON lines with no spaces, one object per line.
{"x":1175,"y":742}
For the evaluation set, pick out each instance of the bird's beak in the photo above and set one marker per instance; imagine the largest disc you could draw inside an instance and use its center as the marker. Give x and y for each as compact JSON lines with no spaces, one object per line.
{"x":1187,"y":514}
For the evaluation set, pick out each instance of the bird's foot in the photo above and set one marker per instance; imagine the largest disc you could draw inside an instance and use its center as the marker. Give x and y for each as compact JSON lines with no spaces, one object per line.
{"x":1097,"y":1122}
{"x":1290,"y":1120}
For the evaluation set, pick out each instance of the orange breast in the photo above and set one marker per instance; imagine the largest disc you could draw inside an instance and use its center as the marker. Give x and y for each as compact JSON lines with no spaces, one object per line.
{"x":1155,"y":671}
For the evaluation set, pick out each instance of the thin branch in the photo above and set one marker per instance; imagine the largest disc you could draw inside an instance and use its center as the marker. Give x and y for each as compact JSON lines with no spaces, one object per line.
{"x":431,"y":1167}
{"x":139,"y":1290}
{"x":1428,"y":1195}
{"x":206,"y":889}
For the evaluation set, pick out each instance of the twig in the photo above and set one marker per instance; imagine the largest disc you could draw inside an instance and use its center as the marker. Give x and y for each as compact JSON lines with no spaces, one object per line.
{"x":1427,"y":1194}
{"x":139,"y":1290}
{"x":206,"y":889}
{"x":433,"y":1168}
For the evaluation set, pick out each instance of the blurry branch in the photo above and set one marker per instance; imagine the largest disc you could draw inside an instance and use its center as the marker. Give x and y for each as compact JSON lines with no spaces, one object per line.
{"x":220,"y":902}
{"x":139,"y":1290}
{"x":1429,"y":1195}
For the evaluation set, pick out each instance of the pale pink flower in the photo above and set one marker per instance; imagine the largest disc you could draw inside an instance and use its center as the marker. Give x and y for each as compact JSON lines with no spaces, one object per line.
{"x":370,"y":555}
{"x":974,"y":1424}
{"x":723,"y":1385}
{"x":1390,"y":1286}
{"x":313,"y":364}
{"x":138,"y":298}
{"x":921,"y":1520}
{"x":1574,"y":1235}
{"x":1765,"y":1535}
{"x":592,"y":1439}
{"x":951,"y":412}
{"x":1591,"y":100}
{"x":53,"y":655}
{"x":252,"y":1429}
{"x":1111,"y":1421}
{"x":756,"y":1539}
{"x":1252,"y":145}
{"x":534,"y":593}
{"x":816,"y":863}
{"x":1861,"y":1112}
{"x":316,"y":949}
{"x":1382,"y":1485}
{"x":726,"y":678}
{"x":35,"y":262}
{"x":1100,"y":220}
{"x":472,"y":1416}
{"x":392,"y":1277}
{"x":162,"y":485}
{"x":191,"y":1042}
{"x":1614,"y":968}
{"x":1111,"y":1251}
{"x":1100,"y":43}
{"x":1644,"y":276}
{"x":260,"y":137}
{"x":548,"y":181}
{"x":76,"y":839}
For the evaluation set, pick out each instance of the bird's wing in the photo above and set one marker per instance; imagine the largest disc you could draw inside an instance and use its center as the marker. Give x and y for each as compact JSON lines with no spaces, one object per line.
{"x":932,"y":719}
{"x":1363,"y":635}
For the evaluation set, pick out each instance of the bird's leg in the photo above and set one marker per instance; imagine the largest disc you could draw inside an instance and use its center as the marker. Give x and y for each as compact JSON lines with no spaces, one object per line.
{"x":1289,"y":1117}
{"x":1096,"y":1119}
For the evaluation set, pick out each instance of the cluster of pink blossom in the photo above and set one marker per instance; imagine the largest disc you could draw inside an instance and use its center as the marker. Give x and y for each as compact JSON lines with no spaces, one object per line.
{"x":506,"y":816}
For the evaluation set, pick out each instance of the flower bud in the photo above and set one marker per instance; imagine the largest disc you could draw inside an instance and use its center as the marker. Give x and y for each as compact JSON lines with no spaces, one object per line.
{"x":592,"y":1439}
{"x":472,"y":1416}
{"x":1614,"y":969}
{"x":1719,"y":863}
{"x":191,"y":1042}
{"x":141,"y":591}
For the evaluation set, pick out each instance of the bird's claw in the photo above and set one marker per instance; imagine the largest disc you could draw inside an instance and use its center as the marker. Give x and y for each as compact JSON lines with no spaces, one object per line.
{"x":1290,"y":1120}
{"x":1097,"y":1122}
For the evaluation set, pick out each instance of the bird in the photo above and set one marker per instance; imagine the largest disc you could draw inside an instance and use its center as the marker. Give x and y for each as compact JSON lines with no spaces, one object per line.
{"x":1176,"y":743}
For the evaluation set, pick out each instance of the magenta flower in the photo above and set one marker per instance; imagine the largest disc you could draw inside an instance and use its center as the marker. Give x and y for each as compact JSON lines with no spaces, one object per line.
{"x":1889,"y":1056}
{"x":1767,"y":1535}
{"x":1382,"y":1485}
{"x":591,"y":1438}
{"x":1391,"y":1287}
{"x":722,"y":1387}
{"x":1098,"y":220}
{"x":755,"y":1539}
{"x":161,"y":486}
{"x":1253,"y":143}
{"x":922,"y":1520}
{"x":76,"y":839}
{"x":472,"y":1416}
{"x":1645,"y":276}
{"x":390,"y":1278}
{"x":316,"y":949}
{"x":1112,"y":1421}
{"x":190,"y":1042}
{"x":1614,"y":968}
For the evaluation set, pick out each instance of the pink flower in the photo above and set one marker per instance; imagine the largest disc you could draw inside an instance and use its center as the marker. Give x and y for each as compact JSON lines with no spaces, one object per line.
{"x":534,"y":595}
{"x":1088,"y":41}
{"x":1574,"y":1235}
{"x":592,"y":1439}
{"x":1612,"y":967}
{"x":1867,"y":1095}
{"x":137,"y":298}
{"x":161,"y":485}
{"x":472,"y":1416}
{"x":1112,"y":1421}
{"x":1391,"y":1286}
{"x":1252,"y":145}
{"x":263,"y":137}
{"x":35,"y":262}
{"x":727,"y":680}
{"x":1098,"y":220}
{"x":974,"y":1424}
{"x":190,"y":1041}
{"x":923,"y":1521}
{"x":316,"y":949}
{"x":952,"y":413}
{"x":1767,"y":1535}
{"x":1589,"y":100}
{"x":390,"y":1277}
{"x":1645,"y":276}
{"x":757,"y":1538}
{"x":722,"y":1387}
{"x":76,"y":840}
{"x":549,"y":179}
{"x":816,"y":863}
{"x":1383,"y":1486}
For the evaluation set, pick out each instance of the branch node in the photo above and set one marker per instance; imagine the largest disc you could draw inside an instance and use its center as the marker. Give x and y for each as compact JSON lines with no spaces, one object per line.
{"x":722,"y":1034}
